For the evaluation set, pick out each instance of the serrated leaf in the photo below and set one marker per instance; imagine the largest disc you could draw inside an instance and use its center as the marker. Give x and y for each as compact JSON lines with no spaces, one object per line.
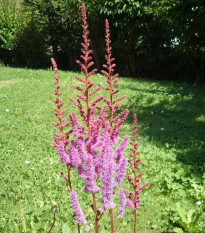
{"x":181,"y":213}
{"x":189,"y":216}
{"x":197,"y":217}
{"x":184,"y":225}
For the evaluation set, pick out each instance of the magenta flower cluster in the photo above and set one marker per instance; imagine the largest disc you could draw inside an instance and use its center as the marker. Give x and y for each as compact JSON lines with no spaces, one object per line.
{"x":95,"y":157}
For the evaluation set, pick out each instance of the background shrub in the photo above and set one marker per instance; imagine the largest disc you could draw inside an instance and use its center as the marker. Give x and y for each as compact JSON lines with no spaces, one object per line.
{"x":154,"y":39}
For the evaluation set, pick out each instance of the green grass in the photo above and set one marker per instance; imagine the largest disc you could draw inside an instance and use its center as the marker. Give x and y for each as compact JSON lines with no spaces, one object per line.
{"x":172,"y":141}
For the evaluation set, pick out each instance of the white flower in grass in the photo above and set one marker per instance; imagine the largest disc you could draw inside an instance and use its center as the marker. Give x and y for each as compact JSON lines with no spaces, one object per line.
{"x":7,"y":110}
{"x":198,"y":203}
{"x":27,"y":162}
{"x":32,"y":168}
{"x":162,"y":111}
{"x":54,"y":203}
{"x":162,"y":129}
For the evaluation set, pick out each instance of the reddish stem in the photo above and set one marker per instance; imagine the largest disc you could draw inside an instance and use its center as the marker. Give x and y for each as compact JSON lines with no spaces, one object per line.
{"x":87,"y":97}
{"x":111,"y":102}
{"x":112,"y":221}
{"x":86,"y":54}
{"x":134,"y":171}
{"x":96,"y":213}
{"x":78,"y":228}
{"x":69,"y":180}
{"x":21,"y":227}
{"x":135,"y":197}
{"x":135,"y":220}
{"x":54,"y":219}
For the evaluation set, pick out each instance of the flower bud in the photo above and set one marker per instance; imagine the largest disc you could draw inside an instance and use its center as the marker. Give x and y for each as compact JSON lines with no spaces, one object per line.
{"x":21,"y":214}
{"x":54,"y":207}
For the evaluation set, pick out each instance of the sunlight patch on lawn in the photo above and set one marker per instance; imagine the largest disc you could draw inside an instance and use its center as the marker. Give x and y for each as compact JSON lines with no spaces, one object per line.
{"x":7,"y":83}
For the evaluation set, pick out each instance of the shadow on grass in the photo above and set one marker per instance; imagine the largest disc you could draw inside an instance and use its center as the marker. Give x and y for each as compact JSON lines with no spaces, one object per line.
{"x":172,"y":115}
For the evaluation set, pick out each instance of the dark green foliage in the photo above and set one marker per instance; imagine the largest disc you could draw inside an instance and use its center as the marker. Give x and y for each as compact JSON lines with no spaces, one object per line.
{"x":60,"y":22}
{"x":30,"y":46}
{"x":10,"y":21}
{"x":162,"y":39}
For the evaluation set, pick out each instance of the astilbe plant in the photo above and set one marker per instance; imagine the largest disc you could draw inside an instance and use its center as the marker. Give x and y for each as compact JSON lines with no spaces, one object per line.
{"x":133,"y":200}
{"x":94,"y":150}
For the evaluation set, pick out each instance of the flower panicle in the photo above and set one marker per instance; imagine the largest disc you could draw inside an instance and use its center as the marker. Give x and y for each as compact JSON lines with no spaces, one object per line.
{"x":85,"y":63}
{"x":112,"y":80}
{"x":123,"y":203}
{"x":64,"y":158}
{"x":77,"y":129}
{"x":86,"y":51}
{"x":74,"y":155}
{"x":117,"y":126}
{"x":64,"y":137}
{"x":89,"y":176}
{"x":121,"y":170}
{"x":80,"y":218}
{"x":134,"y":198}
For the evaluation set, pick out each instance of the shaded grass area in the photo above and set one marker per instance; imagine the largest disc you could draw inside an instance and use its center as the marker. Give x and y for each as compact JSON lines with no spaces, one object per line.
{"x":171,"y":120}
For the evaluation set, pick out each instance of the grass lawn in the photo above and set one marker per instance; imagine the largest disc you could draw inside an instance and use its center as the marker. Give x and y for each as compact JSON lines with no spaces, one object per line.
{"x":171,"y":120}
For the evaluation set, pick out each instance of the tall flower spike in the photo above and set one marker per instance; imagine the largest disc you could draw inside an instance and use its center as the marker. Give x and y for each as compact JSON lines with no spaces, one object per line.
{"x":89,"y":176}
{"x":134,"y":198}
{"x":123,"y":203}
{"x":85,"y":64}
{"x":111,"y":77}
{"x":107,"y":166}
{"x":74,"y":156}
{"x":80,"y":218}
{"x":121,"y":161}
{"x":59,"y":114}
{"x":64,"y":158}
{"x":121,"y":170}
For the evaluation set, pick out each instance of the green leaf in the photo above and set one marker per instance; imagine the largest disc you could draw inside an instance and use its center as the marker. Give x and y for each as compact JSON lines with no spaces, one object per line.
{"x":24,"y":225}
{"x":195,"y":222}
{"x":16,"y":228}
{"x":32,"y":225}
{"x":190,"y":216}
{"x":66,"y":228}
{"x":136,"y":4}
{"x":181,"y":213}
{"x":178,"y":230}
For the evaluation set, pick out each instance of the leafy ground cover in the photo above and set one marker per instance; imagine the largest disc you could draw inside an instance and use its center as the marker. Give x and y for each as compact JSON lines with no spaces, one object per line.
{"x":171,"y":120}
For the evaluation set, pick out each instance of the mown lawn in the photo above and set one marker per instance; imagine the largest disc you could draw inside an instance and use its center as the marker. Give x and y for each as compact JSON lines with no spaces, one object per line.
{"x":171,"y":120}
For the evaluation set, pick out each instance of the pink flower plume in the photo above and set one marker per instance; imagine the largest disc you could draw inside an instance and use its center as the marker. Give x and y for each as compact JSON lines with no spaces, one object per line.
{"x":80,"y":218}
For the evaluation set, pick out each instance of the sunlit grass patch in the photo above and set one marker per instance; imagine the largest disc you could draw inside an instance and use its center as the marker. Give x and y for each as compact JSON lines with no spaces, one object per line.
{"x":172,"y":158}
